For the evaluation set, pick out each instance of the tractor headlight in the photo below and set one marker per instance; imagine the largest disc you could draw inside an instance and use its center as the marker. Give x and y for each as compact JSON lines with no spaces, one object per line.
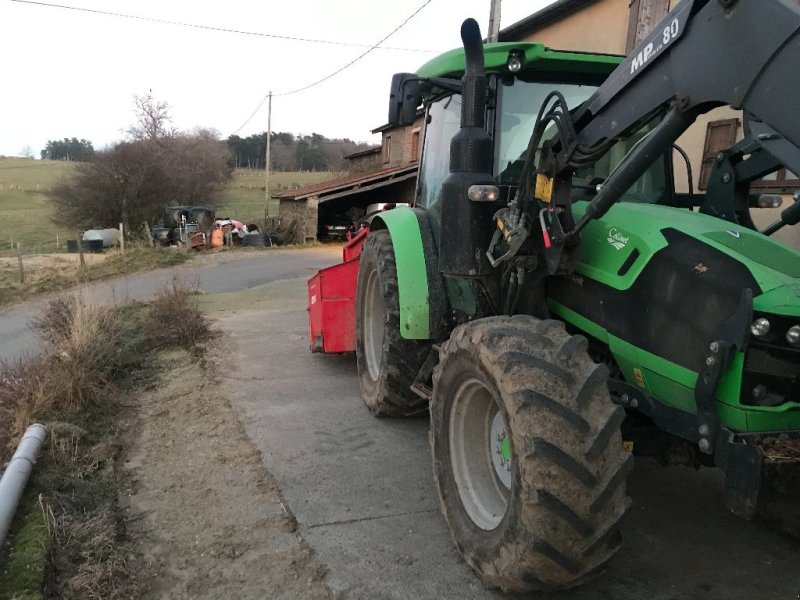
{"x":483,"y":193}
{"x":515,"y":61}
{"x":760,"y":327}
{"x":793,"y":335}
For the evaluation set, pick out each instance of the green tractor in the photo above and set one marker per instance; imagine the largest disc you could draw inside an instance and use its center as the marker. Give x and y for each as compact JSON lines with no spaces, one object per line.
{"x":559,"y":308}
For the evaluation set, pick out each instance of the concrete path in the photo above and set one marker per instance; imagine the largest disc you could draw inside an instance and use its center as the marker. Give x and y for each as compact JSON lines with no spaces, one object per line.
{"x":362,"y":488}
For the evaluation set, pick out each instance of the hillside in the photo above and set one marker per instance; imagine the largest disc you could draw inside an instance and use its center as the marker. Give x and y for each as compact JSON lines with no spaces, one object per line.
{"x":27,"y":217}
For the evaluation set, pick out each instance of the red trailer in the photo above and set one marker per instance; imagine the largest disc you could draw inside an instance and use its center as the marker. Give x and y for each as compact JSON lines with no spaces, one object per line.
{"x":332,"y":301}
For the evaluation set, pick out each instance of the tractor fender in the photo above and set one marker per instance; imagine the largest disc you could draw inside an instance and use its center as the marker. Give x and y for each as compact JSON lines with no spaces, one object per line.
{"x":423,"y":297}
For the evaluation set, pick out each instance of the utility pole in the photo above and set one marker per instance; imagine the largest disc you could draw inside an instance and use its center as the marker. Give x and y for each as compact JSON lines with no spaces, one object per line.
{"x":494,"y":21}
{"x":266,"y":162}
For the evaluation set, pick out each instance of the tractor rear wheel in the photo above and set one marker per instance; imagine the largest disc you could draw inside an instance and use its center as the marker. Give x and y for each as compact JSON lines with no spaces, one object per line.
{"x":527,"y":452}
{"x":387,"y":363}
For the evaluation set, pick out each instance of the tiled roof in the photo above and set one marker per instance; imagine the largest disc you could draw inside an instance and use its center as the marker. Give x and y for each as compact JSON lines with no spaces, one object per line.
{"x":366,"y":152}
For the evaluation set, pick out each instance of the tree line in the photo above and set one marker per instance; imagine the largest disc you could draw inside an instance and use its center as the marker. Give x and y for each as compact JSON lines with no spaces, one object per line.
{"x":289,"y":152}
{"x":68,"y":149}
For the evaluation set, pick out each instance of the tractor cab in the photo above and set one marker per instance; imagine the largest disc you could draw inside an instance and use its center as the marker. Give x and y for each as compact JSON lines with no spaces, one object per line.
{"x":520,"y":78}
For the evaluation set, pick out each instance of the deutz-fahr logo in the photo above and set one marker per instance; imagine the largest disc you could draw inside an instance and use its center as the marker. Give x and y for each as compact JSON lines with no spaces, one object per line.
{"x":617,"y":239}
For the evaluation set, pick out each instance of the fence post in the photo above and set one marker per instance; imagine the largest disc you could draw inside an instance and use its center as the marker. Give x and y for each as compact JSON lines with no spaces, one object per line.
{"x":148,"y":234}
{"x":80,"y":250}
{"x":21,"y":270}
{"x":122,"y":239}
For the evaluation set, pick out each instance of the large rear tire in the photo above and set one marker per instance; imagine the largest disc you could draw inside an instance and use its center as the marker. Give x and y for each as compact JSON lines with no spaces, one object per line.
{"x":387,"y":363}
{"x":527,"y":452}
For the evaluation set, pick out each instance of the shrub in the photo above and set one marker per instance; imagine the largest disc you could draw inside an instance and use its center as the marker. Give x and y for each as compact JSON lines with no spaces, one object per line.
{"x":175,"y":318}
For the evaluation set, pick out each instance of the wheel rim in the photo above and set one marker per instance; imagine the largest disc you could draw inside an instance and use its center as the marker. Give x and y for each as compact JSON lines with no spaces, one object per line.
{"x":480,"y":454}
{"x":372,"y":319}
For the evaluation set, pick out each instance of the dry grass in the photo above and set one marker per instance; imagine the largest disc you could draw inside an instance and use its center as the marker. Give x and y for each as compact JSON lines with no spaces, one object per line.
{"x":93,"y":354}
{"x":61,"y":271}
{"x":175,"y":319}
{"x":93,"y":349}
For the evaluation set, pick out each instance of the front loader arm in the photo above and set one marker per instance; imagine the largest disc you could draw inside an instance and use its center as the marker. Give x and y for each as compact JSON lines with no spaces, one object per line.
{"x":704,"y":54}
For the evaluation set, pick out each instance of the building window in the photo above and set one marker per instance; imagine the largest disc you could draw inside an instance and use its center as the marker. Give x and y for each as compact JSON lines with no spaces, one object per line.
{"x":782,"y":180}
{"x":720,"y":135}
{"x":415,"y":145}
{"x":644,"y":15}
{"x":387,"y":145}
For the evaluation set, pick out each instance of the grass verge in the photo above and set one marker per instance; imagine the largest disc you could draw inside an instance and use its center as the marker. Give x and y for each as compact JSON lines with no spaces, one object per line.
{"x":69,"y":540}
{"x":55,"y":272}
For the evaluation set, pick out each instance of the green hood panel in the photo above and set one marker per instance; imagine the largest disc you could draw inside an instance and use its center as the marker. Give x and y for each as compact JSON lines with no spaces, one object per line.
{"x":759,"y":248}
{"x":608,"y":242}
{"x":784,"y":300}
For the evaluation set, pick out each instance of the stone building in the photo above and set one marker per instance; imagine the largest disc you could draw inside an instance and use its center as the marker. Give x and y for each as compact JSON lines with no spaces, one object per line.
{"x":364,"y":161}
{"x":384,"y":174}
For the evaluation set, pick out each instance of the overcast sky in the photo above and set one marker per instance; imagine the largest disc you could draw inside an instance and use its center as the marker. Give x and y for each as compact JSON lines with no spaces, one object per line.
{"x":67,"y":73}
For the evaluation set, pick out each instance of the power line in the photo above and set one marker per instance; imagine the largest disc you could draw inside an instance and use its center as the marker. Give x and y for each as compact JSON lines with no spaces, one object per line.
{"x":213,"y":28}
{"x":352,"y":62}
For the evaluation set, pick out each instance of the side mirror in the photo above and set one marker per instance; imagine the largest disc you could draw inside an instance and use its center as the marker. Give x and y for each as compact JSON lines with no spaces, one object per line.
{"x":404,"y":98}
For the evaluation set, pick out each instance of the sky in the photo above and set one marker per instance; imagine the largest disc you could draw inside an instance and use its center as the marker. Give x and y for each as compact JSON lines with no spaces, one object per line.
{"x":67,"y":73}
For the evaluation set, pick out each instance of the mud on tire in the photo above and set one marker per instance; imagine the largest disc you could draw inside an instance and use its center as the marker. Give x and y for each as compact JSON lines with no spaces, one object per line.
{"x":556,"y":523}
{"x":387,"y":363}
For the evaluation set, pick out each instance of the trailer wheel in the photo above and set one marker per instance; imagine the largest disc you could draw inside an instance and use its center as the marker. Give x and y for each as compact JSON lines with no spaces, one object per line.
{"x":527,"y":453}
{"x":387,"y":363}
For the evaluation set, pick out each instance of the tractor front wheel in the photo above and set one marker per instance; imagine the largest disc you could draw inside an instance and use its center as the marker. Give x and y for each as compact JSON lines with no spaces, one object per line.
{"x":528,"y":455}
{"x":387,"y":363}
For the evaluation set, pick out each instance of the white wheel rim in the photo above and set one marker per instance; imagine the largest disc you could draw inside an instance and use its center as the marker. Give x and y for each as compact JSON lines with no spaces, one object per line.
{"x":480,"y":454}
{"x":372,"y":320}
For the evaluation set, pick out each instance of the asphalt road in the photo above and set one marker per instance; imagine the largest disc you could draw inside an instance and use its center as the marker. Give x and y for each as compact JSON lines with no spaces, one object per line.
{"x":211,"y":273}
{"x":362,"y":488}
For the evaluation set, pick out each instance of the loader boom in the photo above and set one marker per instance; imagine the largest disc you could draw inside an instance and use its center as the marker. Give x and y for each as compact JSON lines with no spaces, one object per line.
{"x":704,"y":54}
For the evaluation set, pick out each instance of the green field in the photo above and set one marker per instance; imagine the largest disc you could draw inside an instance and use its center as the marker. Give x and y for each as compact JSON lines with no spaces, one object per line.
{"x":26,"y":215}
{"x":244,"y":196}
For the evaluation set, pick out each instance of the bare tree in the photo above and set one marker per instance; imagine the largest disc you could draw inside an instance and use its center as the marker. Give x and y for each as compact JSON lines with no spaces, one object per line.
{"x":26,"y":152}
{"x":153,"y":121}
{"x":133,"y":181}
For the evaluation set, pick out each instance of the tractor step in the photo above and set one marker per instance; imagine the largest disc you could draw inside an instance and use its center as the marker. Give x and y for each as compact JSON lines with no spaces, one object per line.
{"x":423,"y":382}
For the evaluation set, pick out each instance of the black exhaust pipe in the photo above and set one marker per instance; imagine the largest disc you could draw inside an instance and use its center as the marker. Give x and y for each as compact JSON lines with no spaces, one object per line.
{"x":467,"y":227}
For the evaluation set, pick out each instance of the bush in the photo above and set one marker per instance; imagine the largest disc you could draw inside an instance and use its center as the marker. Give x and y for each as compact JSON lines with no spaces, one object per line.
{"x":175,"y":318}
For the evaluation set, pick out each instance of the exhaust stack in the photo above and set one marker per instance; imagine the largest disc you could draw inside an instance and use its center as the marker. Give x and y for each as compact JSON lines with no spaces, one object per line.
{"x":467,"y":226}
